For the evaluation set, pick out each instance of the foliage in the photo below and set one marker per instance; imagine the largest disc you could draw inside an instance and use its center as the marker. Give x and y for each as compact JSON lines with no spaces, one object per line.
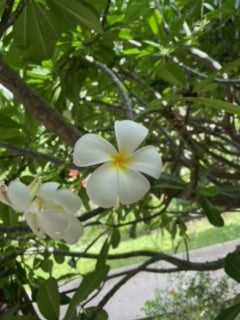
{"x":199,"y":296}
{"x":73,"y":67}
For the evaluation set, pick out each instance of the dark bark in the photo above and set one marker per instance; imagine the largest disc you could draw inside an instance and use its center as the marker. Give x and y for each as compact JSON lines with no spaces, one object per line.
{"x":37,"y":106}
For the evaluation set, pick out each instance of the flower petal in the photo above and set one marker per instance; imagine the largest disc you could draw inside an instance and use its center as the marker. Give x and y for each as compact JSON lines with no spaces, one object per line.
{"x":3,"y":193}
{"x":19,"y":196}
{"x":102,"y":186}
{"x":132,"y":186}
{"x":91,"y":149}
{"x":33,"y":187}
{"x":54,"y":223}
{"x":32,"y":221}
{"x":129,"y":135}
{"x":147,"y":160}
{"x":47,"y":191}
{"x":73,"y":231}
{"x":68,"y":200}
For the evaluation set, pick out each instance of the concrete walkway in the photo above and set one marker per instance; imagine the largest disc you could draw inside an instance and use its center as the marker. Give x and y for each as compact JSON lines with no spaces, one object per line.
{"x":127,"y":302}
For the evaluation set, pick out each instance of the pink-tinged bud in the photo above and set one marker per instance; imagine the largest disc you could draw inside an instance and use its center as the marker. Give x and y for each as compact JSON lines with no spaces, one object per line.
{"x":84,"y":183}
{"x":74,"y":174}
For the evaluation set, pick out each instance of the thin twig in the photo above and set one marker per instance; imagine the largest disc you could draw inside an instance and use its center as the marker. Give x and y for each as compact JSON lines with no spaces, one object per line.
{"x":84,"y":217}
{"x":16,"y":13}
{"x":116,"y":81}
{"x":5,"y":16}
{"x":177,"y":125}
{"x":105,"y":13}
{"x":204,"y":76}
{"x":14,"y":229}
{"x":115,"y":288}
{"x":35,"y":155}
{"x":88,"y":215}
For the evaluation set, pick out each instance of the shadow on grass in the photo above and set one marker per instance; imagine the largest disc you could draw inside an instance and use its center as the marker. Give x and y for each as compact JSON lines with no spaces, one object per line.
{"x":200,"y":239}
{"x":201,"y":234}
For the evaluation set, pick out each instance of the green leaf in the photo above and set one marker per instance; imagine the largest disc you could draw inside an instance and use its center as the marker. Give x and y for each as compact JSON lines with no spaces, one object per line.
{"x":64,"y":299}
{"x":47,"y":265}
{"x":9,"y":217}
{"x":132,"y":232}
{"x":135,"y":9}
{"x":152,"y":44}
{"x":9,"y":133}
{"x":232,"y":266}
{"x":182,"y":228}
{"x":132,"y":51}
{"x":195,"y":9}
{"x":229,"y":313}
{"x":206,"y":85}
{"x":37,"y":30}
{"x":89,"y":283}
{"x":101,"y":315}
{"x":210,"y":191}
{"x":75,"y":9}
{"x":20,"y":28}
{"x":170,"y":182}
{"x":102,"y":257}
{"x":173,"y":178}
{"x":153,"y":25}
{"x":59,"y":259}
{"x":125,"y":34}
{"x":84,"y":197}
{"x":115,"y":238}
{"x":166,"y":185}
{"x":212,"y":214}
{"x":3,"y":281}
{"x":172,"y":73}
{"x":155,"y":21}
{"x":48,"y":299}
{"x":8,"y":314}
{"x":115,"y":18}
{"x":217,"y":104}
{"x":20,"y":318}
{"x":21,"y":273}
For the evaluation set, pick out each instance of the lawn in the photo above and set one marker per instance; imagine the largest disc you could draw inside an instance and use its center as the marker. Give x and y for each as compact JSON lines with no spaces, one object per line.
{"x":200,"y":233}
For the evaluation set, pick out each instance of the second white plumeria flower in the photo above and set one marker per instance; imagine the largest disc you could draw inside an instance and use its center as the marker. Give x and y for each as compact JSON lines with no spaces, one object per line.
{"x":119,"y":178}
{"x":48,"y":210}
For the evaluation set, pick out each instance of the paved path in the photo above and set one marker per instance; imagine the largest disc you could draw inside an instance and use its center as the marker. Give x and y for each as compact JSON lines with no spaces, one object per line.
{"x":127,"y":302}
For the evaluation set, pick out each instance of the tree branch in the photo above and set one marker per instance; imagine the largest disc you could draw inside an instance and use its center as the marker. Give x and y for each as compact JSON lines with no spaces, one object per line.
{"x":16,"y":13}
{"x":35,"y":155}
{"x":177,"y":125}
{"x":37,"y":106}
{"x":105,"y":13}
{"x":182,"y":265}
{"x":5,"y":16}
{"x":84,"y":217}
{"x":156,"y":256}
{"x":204,"y":76}
{"x":14,"y":229}
{"x":88,"y":215}
{"x":116,"y":81}
{"x":115,"y":288}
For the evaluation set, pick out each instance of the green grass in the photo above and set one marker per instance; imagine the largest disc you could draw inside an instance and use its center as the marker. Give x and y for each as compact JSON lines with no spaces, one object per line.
{"x":200,"y":233}
{"x":203,"y":234}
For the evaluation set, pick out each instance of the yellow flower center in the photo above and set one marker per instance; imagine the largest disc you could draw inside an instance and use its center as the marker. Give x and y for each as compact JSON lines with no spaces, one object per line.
{"x":120,"y":160}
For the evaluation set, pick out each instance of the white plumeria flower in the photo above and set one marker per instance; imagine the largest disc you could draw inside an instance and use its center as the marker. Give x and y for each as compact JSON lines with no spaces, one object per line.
{"x":119,"y":178}
{"x":49,"y":211}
